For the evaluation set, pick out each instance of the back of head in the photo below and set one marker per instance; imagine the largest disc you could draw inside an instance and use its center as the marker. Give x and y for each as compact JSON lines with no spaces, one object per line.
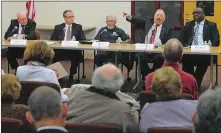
{"x":11,"y":88}
{"x":173,"y":50}
{"x":39,"y":51}
{"x":108,"y":77}
{"x":166,"y":83}
{"x":44,"y":104}
{"x":208,"y":115}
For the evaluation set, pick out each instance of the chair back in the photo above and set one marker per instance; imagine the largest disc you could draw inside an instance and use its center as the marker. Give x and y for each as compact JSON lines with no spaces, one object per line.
{"x":169,"y":130}
{"x":10,"y":125}
{"x":93,"y":128}
{"x":146,"y":97}
{"x":29,"y":86}
{"x":38,"y":35}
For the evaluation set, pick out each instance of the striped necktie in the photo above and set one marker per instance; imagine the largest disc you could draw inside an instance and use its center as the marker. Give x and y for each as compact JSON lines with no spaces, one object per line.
{"x":196,"y":33}
{"x":68,"y":38}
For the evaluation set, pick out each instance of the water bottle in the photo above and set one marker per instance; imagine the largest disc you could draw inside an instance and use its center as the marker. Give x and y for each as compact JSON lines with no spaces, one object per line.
{"x":119,"y":41}
{"x":73,"y":38}
{"x":205,"y":43}
{"x":209,"y":43}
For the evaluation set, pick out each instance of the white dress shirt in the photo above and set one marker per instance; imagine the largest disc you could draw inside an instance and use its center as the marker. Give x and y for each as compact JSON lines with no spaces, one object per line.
{"x":66,"y":30}
{"x":200,"y":33}
{"x":52,"y":127}
{"x":157,"y":37}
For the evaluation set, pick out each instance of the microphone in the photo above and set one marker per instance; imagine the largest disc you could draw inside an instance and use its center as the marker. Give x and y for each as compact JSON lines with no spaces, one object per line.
{"x":15,"y":28}
{"x":63,"y":35}
{"x":105,"y":30}
{"x":191,"y":39}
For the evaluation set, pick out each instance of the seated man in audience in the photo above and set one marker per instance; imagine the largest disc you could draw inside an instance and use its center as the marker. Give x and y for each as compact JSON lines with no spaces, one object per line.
{"x":157,"y":32}
{"x":22,"y":27}
{"x":171,"y":110}
{"x":11,"y":88}
{"x":68,"y":31}
{"x":196,"y":32}
{"x":100,"y":104}
{"x":37,"y":57}
{"x":110,"y":33}
{"x":46,"y":111}
{"x":172,"y":54}
{"x":208,"y":114}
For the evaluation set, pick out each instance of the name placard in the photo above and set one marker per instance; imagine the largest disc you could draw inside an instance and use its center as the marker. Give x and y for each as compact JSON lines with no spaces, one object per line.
{"x":143,"y":46}
{"x":200,"y":48}
{"x":18,"y":42}
{"x":69,"y":43}
{"x":100,"y":44}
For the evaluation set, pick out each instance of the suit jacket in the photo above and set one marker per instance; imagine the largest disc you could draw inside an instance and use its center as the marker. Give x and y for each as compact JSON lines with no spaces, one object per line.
{"x":51,"y":131}
{"x":147,"y":23}
{"x":59,"y":32}
{"x":29,"y":29}
{"x":210,"y":32}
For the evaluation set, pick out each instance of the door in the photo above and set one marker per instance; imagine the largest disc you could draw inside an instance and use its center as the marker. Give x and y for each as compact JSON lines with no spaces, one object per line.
{"x":212,"y":11}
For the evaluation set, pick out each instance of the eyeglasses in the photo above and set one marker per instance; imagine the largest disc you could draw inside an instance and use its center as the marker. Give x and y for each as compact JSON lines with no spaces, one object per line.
{"x":69,"y":17}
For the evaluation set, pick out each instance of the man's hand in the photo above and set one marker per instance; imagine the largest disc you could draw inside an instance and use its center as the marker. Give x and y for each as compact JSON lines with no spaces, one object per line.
{"x":125,"y":14}
{"x":12,"y":37}
{"x":127,"y":41}
{"x":21,"y":36}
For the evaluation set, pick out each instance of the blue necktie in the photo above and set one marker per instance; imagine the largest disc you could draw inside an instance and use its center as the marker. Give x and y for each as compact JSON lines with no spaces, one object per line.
{"x":196,"y":33}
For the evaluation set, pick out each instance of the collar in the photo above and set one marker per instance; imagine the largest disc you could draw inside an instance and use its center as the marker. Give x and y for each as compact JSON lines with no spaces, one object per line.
{"x":201,"y":23}
{"x":66,"y":25}
{"x":174,"y":65}
{"x":52,"y":127}
{"x":158,"y":26}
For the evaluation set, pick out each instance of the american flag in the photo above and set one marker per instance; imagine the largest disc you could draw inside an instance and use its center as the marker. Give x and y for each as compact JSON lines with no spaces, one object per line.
{"x":30,"y":7}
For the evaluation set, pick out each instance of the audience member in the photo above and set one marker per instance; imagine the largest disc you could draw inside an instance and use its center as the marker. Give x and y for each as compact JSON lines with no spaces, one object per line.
{"x":171,"y":110}
{"x":11,"y":88}
{"x":172,"y":54}
{"x":208,"y":114}
{"x":46,"y":111}
{"x":100,"y":104}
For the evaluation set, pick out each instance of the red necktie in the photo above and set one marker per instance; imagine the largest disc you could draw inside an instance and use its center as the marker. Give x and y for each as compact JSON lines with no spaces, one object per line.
{"x":153,"y":34}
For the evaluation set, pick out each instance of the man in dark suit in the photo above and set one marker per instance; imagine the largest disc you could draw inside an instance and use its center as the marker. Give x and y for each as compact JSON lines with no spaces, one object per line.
{"x":22,"y":27}
{"x":156,"y":32}
{"x":68,"y":31}
{"x":46,"y":111}
{"x":195,"y":33}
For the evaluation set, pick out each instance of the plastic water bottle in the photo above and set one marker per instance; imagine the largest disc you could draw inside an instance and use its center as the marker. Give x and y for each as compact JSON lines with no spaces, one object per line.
{"x":209,"y":43}
{"x":119,"y":41}
{"x":73,"y":38}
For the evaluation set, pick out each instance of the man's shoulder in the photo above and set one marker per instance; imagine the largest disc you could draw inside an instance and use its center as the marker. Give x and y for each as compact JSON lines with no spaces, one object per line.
{"x":77,"y":25}
{"x":187,"y":76}
{"x":14,"y":21}
{"x":31,"y":21}
{"x":119,"y":29}
{"x":210,"y":22}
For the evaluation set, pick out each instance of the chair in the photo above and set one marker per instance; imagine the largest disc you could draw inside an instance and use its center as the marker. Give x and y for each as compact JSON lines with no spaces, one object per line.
{"x":150,"y":97}
{"x":10,"y":125}
{"x":93,"y":128}
{"x":29,"y":86}
{"x":169,"y":130}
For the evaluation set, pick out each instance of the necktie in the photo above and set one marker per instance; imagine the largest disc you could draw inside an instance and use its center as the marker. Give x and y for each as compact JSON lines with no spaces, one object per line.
{"x":152,"y":37}
{"x":196,"y":34}
{"x":68,"y":38}
{"x":22,"y":29}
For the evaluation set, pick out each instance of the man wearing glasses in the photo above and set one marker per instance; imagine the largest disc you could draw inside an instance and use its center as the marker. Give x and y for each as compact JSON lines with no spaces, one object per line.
{"x":68,"y":31}
{"x":20,"y":28}
{"x":196,"y":32}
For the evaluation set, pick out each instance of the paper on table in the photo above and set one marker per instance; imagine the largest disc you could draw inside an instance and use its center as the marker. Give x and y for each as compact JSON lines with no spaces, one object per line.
{"x":59,"y":69}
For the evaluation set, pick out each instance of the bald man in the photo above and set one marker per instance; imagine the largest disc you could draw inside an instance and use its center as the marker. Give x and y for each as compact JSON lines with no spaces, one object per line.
{"x":172,"y":54}
{"x":110,"y":33}
{"x":156,"y":32}
{"x":22,"y":27}
{"x":100,"y":104}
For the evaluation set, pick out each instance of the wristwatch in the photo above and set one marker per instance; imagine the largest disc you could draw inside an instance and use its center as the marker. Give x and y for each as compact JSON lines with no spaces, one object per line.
{"x":129,"y":17}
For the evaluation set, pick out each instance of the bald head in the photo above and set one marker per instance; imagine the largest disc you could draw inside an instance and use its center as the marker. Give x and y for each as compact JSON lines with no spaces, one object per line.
{"x":173,"y":50}
{"x":111,"y":21}
{"x":22,"y":18}
{"x":108,"y":77}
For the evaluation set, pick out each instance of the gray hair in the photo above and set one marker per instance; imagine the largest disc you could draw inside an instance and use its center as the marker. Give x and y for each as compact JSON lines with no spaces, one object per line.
{"x":44,"y":103}
{"x":109,"y":80}
{"x":66,"y":11}
{"x":208,"y":116}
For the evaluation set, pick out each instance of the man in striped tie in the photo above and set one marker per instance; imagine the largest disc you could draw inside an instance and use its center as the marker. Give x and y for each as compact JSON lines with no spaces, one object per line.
{"x":66,"y":31}
{"x":156,"y":32}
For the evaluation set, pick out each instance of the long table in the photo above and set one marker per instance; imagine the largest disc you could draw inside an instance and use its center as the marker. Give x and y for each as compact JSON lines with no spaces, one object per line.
{"x":126,"y":48}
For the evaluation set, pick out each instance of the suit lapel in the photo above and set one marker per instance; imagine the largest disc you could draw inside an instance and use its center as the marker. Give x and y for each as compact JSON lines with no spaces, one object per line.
{"x":205,"y":29}
{"x":162,"y":32}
